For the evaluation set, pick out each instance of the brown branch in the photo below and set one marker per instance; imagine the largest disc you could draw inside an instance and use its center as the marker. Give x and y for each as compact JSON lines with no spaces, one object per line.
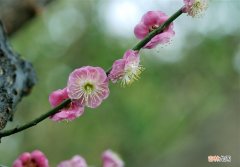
{"x":15,"y":13}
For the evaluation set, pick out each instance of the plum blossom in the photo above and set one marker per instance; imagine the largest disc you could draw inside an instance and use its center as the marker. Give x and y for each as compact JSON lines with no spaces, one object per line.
{"x":151,"y":21}
{"x":111,"y":159}
{"x":88,"y":85}
{"x":195,"y":7}
{"x":70,"y":112}
{"x":127,"y":69}
{"x":76,"y":161}
{"x":34,"y":159}
{"x":38,"y":159}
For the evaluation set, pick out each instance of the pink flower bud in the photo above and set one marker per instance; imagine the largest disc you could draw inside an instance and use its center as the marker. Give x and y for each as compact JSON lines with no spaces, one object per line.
{"x":36,"y":158}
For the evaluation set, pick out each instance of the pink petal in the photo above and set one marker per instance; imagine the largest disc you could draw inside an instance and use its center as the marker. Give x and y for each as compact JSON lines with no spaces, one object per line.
{"x":117,"y":70}
{"x":70,"y":112}
{"x":74,"y":111}
{"x":58,"y":97}
{"x":39,"y":158}
{"x":73,"y":90}
{"x":75,"y":79}
{"x":159,"y":39}
{"x":80,"y":73}
{"x":93,"y":102}
{"x":111,"y":159}
{"x":102,"y":77}
{"x":93,"y":73}
{"x":105,"y":93}
{"x":17,"y":163}
{"x":188,"y":2}
{"x":24,"y":157}
{"x":153,"y":18}
{"x":36,"y":157}
{"x":141,"y":30}
{"x":131,"y":56}
{"x":74,"y":82}
{"x":76,"y":161}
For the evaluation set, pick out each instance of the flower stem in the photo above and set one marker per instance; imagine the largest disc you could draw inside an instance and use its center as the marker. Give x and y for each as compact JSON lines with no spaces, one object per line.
{"x":35,"y":121}
{"x":55,"y":110}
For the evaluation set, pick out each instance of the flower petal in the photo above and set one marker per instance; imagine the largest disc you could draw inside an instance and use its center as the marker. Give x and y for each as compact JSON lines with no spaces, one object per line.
{"x":76,"y":161}
{"x":117,"y":70}
{"x":36,"y":158}
{"x":159,"y":39}
{"x":153,"y":18}
{"x":73,"y":111}
{"x":111,"y":159}
{"x":39,"y":158}
{"x":141,"y":30}
{"x":57,"y":97}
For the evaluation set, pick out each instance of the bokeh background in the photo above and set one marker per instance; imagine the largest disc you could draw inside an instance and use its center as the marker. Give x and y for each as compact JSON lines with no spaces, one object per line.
{"x":184,"y":108}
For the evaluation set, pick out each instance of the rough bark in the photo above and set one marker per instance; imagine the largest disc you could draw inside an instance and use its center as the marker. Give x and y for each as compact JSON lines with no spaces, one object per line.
{"x":15,"y":13}
{"x":17,"y":77}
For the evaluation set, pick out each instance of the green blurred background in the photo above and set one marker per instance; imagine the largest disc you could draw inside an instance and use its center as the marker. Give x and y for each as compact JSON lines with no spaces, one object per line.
{"x":184,"y":108}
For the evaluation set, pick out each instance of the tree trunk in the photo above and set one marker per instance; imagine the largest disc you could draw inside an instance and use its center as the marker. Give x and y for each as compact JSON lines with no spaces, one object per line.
{"x":17,"y":77}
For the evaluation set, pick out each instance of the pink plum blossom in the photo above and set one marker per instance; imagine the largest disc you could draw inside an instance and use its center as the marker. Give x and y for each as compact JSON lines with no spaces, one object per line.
{"x":76,"y":161}
{"x":34,"y":159}
{"x":151,"y":21}
{"x":72,"y":111}
{"x":127,"y":69}
{"x":111,"y":159}
{"x":195,"y":7}
{"x":89,"y":85}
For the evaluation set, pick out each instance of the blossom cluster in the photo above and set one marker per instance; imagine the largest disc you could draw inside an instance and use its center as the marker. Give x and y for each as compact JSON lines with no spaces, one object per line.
{"x":88,"y":86}
{"x":38,"y":159}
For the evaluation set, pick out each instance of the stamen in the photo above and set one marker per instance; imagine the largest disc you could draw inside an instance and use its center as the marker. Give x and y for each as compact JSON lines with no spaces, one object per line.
{"x":198,"y":7}
{"x":131,"y":74}
{"x":88,"y":87}
{"x":153,"y":28}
